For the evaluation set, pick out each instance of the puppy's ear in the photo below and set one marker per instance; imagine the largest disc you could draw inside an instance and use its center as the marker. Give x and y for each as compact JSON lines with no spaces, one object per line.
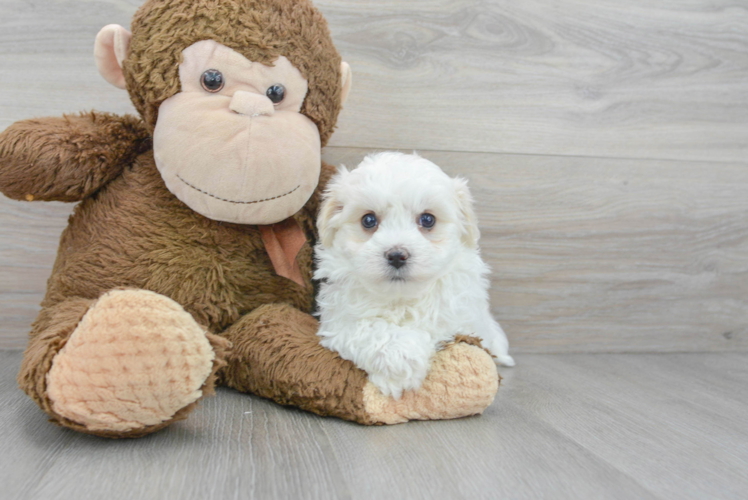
{"x":331,"y":208}
{"x":464,"y":201}
{"x":326,"y":224}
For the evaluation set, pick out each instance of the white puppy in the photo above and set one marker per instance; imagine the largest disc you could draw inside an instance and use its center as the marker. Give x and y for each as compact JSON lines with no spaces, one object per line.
{"x":401,"y":270}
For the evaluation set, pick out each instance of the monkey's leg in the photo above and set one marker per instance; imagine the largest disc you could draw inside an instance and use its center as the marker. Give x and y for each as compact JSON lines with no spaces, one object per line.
{"x":277,"y":355}
{"x":125,"y":365}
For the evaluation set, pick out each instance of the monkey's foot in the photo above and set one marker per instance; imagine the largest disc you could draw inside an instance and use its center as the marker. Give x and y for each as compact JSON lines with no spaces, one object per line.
{"x":462,"y":381}
{"x":135,"y":362}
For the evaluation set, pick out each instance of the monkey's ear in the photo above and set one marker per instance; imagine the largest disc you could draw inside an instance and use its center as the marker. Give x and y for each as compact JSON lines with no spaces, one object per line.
{"x":110,"y":49}
{"x":346,"y":80}
{"x":470,"y":231}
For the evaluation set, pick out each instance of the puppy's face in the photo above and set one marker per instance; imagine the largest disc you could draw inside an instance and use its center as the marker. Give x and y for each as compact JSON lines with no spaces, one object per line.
{"x":397,"y":221}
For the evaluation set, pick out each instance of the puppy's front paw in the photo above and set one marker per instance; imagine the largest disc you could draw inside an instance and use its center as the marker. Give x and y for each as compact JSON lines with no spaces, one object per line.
{"x":505,"y":359}
{"x":498,"y":349}
{"x":462,"y":381}
{"x":496,"y":343}
{"x":402,"y":364}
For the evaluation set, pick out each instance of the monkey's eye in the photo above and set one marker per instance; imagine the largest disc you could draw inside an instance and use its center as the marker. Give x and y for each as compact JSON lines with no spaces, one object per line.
{"x":212,"y":80}
{"x":426,"y":220}
{"x":276,"y":93}
{"x":369,"y":221}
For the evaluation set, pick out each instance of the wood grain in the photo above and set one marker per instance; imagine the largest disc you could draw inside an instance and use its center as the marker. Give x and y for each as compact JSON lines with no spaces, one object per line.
{"x":233,"y":446}
{"x":563,"y":426}
{"x":589,"y":255}
{"x":642,"y":79}
{"x":610,"y":255}
{"x":29,"y":236}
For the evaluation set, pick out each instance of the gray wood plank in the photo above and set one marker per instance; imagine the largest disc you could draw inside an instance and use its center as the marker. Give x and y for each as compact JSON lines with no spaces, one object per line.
{"x":644,"y":79}
{"x":673,"y":447}
{"x":609,"y":255}
{"x":563,"y":426}
{"x":29,"y":237}
{"x":235,"y":446}
{"x":506,"y":453}
{"x":46,"y":47}
{"x":29,"y":445}
{"x":589,"y":254}
{"x":715,"y":385}
{"x":232,"y":446}
{"x":634,"y":421}
{"x":666,"y":433}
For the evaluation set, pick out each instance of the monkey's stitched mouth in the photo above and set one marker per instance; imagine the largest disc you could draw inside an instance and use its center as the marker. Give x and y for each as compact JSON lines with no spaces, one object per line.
{"x":235,"y":201}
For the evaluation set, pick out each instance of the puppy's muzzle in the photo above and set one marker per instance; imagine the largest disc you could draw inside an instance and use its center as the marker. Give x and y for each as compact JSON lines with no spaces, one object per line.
{"x":397,"y":257}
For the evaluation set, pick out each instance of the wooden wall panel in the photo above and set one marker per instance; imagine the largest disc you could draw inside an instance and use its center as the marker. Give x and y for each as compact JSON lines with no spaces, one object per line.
{"x":636,"y":79}
{"x":591,"y":253}
{"x":639,"y":79}
{"x":610,"y":255}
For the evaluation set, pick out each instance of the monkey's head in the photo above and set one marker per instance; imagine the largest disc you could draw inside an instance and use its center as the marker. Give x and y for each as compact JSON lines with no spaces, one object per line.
{"x":241,"y":95}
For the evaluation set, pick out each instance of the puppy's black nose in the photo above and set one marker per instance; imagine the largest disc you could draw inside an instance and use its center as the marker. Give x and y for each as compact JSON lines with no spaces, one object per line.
{"x":397,"y":257}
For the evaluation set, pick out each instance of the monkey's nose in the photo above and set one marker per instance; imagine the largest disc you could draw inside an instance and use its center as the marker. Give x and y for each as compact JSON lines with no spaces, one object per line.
{"x":251,"y":104}
{"x":397,"y":257}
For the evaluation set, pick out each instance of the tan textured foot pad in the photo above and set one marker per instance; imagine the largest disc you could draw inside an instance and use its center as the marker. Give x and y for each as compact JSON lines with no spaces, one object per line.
{"x":463,"y":381}
{"x":135,"y":359}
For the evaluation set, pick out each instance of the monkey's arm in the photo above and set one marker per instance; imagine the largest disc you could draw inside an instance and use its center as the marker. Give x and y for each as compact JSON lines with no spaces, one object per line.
{"x":276,"y":354}
{"x":67,"y":158}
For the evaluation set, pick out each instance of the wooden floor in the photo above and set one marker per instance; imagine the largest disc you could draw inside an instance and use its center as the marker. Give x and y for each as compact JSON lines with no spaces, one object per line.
{"x":573,"y":426}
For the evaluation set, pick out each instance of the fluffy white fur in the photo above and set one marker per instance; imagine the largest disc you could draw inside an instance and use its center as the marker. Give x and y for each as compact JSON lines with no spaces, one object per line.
{"x":390,"y":321}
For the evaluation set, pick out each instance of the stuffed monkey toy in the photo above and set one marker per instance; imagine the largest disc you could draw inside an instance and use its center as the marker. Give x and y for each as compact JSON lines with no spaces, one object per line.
{"x":187,"y":261}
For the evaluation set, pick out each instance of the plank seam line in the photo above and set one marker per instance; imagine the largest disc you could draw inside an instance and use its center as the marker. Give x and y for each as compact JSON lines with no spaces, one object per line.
{"x":551,"y":155}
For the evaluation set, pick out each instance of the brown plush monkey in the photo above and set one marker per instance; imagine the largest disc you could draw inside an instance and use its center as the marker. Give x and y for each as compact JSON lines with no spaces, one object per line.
{"x":188,"y":259}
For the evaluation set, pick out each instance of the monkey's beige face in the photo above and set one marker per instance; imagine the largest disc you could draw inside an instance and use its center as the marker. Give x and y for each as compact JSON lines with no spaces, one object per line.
{"x":232,"y":145}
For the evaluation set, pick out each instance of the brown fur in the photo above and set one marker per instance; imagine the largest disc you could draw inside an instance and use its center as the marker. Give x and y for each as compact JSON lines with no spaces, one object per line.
{"x":163,"y":28}
{"x":130,"y":231}
{"x":68,"y":159}
{"x":281,"y":360}
{"x":133,"y":232}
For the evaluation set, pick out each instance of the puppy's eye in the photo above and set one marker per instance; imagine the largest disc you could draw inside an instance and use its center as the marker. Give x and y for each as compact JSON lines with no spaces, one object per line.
{"x":276,"y":93}
{"x":369,"y":221}
{"x":427,"y":221}
{"x":212,"y":80}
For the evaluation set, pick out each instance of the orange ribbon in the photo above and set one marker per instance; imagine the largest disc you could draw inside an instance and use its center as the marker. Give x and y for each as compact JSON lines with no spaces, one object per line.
{"x":283,"y":241}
